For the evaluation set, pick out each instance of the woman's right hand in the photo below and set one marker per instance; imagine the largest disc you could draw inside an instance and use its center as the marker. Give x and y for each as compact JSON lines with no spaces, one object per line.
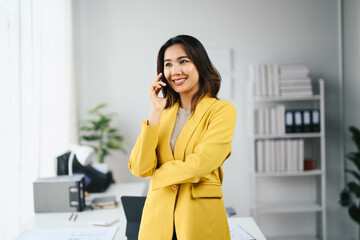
{"x":157,"y":103}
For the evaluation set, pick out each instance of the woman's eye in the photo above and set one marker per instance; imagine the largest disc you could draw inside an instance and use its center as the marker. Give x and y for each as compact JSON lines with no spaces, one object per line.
{"x":167,"y":64}
{"x":183,"y":61}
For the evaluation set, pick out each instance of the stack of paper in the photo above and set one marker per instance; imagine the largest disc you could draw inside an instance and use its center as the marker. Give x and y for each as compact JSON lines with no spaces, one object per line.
{"x":237,"y":233}
{"x":69,"y":234}
{"x":271,"y":80}
{"x":294,"y":81}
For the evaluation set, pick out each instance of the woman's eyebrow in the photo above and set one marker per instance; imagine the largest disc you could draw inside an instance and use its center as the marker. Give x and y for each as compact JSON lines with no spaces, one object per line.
{"x":178,"y":58}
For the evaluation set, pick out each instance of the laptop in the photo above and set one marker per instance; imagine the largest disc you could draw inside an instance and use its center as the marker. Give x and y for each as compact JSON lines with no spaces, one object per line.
{"x":133,"y":207}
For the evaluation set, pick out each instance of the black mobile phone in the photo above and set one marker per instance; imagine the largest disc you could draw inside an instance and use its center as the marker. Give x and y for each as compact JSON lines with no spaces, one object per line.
{"x":164,"y":89}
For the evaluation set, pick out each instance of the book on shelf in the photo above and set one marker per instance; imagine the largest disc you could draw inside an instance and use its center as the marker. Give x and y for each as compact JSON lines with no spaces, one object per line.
{"x":315,"y":120}
{"x":280,"y":155}
{"x":272,"y":80}
{"x":302,"y":121}
{"x":298,"y":121}
{"x":269,"y":120}
{"x":293,"y":71}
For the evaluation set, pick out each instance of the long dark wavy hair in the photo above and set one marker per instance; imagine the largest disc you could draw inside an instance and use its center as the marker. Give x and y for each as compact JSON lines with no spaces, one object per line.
{"x":209,"y":77}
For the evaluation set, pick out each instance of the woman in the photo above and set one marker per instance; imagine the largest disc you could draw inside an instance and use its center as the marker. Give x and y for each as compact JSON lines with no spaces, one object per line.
{"x":183,"y":145}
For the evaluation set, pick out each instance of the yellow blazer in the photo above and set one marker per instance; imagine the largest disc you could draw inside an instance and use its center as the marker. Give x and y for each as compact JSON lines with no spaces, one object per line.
{"x":185,"y":189}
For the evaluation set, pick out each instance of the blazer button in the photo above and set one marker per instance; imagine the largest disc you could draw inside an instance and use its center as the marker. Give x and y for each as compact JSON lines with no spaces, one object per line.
{"x":174,"y":187}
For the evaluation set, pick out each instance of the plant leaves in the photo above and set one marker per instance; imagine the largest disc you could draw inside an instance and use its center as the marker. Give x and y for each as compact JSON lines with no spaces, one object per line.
{"x":354,"y":157}
{"x":116,"y":137}
{"x":116,"y":145}
{"x":354,"y":213}
{"x":97,"y":108}
{"x":354,"y":188}
{"x":86,"y":129}
{"x":91,"y":137}
{"x":111,"y":130}
{"x":355,"y":174}
{"x":103,"y":122}
{"x":355,"y":136}
{"x":345,"y":199}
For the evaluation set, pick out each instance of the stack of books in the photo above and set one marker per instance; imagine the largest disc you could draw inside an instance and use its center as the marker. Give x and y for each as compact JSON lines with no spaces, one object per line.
{"x":272,"y":80}
{"x":285,"y":155}
{"x":270,"y":120}
{"x":266,"y":79}
{"x":294,"y":81}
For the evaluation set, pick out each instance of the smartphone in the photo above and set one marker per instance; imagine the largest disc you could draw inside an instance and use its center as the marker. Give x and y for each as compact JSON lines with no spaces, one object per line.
{"x":164,"y":89}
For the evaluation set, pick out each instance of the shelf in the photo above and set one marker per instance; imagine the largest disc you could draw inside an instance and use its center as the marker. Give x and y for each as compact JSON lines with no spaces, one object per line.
{"x":293,"y":238}
{"x":288,"y":208}
{"x":282,"y":98}
{"x":290,"y":174}
{"x":288,"y":135}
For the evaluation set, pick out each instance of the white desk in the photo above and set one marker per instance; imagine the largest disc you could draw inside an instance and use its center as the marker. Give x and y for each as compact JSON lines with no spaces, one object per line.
{"x":61,"y":220}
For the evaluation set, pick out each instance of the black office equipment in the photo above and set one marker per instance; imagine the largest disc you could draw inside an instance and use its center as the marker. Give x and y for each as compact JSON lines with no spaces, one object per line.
{"x":59,"y":194}
{"x":315,"y":117}
{"x":133,"y":207}
{"x":289,"y":121}
{"x":307,"y":120}
{"x":95,"y":181}
{"x":298,"y":121}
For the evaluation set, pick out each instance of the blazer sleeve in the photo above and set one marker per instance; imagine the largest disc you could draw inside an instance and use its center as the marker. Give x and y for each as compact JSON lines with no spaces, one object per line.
{"x":208,"y":155}
{"x":143,"y":158}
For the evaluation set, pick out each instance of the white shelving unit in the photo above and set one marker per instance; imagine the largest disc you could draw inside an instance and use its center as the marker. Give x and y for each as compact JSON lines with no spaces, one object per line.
{"x":311,"y":184}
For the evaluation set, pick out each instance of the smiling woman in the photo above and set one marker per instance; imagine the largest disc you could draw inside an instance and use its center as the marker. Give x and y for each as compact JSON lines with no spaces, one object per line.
{"x":183,"y":146}
{"x":186,"y":55}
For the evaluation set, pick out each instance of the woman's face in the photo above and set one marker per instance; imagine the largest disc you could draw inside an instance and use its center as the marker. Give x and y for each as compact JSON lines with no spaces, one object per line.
{"x":180,"y":71}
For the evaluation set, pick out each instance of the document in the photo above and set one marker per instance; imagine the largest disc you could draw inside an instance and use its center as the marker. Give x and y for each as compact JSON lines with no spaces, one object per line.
{"x":107,"y":233}
{"x":237,"y":233}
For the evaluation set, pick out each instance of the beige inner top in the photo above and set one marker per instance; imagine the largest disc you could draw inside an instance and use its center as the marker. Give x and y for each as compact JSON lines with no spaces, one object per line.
{"x":181,"y":117}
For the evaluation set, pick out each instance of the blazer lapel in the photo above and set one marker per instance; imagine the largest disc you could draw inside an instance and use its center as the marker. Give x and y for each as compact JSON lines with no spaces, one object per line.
{"x":190,"y":126}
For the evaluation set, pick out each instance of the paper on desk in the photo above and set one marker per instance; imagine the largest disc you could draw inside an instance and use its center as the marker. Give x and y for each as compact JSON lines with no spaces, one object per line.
{"x":69,"y":234}
{"x":237,"y":233}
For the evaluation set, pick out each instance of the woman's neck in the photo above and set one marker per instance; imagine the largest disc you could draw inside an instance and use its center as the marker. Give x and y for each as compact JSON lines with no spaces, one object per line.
{"x":185,"y":102}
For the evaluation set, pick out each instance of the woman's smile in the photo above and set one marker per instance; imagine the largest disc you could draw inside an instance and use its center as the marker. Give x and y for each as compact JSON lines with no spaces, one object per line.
{"x":179,"y":81}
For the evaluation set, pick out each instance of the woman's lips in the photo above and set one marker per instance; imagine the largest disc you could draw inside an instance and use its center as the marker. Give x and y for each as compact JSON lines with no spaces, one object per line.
{"x":178,"y":81}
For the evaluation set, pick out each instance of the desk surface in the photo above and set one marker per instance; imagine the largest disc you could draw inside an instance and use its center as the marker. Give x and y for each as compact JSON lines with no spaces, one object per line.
{"x":61,"y":220}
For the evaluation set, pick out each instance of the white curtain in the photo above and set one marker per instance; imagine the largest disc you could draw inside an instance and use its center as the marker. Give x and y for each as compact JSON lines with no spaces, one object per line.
{"x":37,"y":101}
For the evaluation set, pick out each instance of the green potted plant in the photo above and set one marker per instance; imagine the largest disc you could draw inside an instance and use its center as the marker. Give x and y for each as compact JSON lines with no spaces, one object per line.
{"x":350,"y":196}
{"x":98,"y":133}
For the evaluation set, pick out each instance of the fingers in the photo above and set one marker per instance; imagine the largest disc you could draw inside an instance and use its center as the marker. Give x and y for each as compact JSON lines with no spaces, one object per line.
{"x":157,"y":84}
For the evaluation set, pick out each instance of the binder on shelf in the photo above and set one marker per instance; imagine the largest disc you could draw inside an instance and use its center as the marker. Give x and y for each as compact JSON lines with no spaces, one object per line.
{"x":289,"y":121}
{"x":307,"y":120}
{"x":260,"y":156}
{"x":274,"y":120}
{"x":267,"y":119}
{"x":315,"y":117}
{"x":298,"y":121}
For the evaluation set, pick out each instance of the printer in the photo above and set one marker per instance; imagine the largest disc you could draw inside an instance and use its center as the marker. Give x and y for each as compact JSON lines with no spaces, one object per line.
{"x":59,"y":194}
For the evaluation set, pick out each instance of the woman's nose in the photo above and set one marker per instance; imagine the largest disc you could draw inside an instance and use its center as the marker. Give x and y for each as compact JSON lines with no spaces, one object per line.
{"x":176,"y":70}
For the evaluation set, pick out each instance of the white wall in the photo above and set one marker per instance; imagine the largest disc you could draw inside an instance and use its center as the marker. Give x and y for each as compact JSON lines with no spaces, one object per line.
{"x":117,"y":42}
{"x":351,"y":43}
